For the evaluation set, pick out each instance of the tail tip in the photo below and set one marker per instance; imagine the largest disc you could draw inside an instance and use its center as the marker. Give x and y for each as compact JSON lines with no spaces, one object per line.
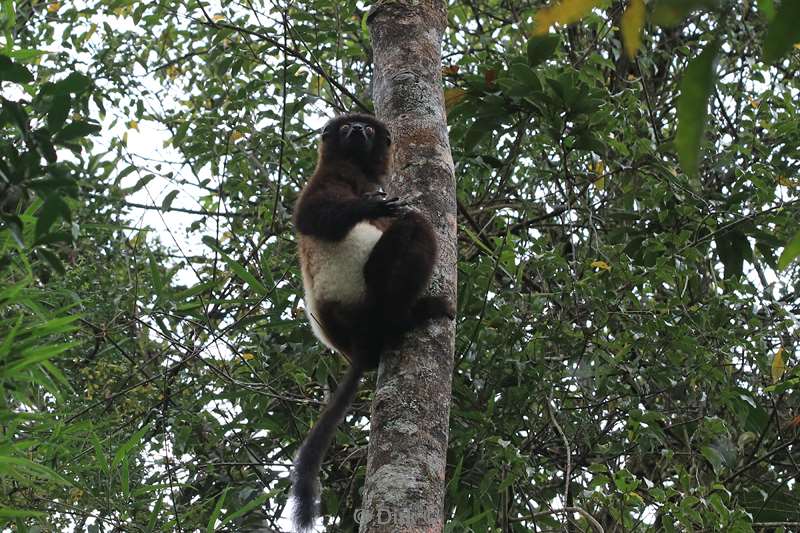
{"x":304,"y":498}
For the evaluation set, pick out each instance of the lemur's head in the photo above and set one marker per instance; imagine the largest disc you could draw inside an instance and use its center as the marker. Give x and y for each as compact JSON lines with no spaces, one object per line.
{"x":360,"y":139}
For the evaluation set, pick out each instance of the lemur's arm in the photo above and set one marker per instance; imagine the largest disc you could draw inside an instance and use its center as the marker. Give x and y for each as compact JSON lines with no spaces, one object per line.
{"x":330,"y":217}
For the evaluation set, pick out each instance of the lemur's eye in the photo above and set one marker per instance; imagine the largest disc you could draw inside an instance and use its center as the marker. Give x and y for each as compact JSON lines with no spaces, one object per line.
{"x":344,"y":127}
{"x":370,"y":130}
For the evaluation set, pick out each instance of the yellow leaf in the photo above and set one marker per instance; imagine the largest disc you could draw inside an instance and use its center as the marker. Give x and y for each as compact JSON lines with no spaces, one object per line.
{"x":778,"y":366}
{"x":453,"y":96}
{"x":636,"y":496}
{"x":173,"y":71}
{"x":797,"y":45}
{"x":125,"y":138}
{"x":599,"y":167}
{"x":564,"y":12}
{"x":631,"y":25}
{"x":134,"y":125}
{"x":450,"y":70}
{"x":236,"y":135}
{"x":217,"y":18}
{"x":786,"y":182}
{"x":53,"y":7}
{"x":247,"y":356}
{"x":317,"y":82}
{"x":602,"y":265}
{"x":754,"y":103}
{"x":88,"y":35}
{"x":600,"y":184}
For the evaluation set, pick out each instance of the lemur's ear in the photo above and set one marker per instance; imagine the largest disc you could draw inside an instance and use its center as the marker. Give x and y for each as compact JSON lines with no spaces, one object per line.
{"x":326,"y":131}
{"x":388,"y":138}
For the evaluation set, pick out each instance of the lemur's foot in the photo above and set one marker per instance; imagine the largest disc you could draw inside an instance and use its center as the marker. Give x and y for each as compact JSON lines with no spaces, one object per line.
{"x":431,"y":307}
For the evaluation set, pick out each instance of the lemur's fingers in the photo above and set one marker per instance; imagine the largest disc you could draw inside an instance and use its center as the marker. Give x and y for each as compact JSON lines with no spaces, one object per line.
{"x":374,"y":194}
{"x":396,"y":205}
{"x":382,"y":207}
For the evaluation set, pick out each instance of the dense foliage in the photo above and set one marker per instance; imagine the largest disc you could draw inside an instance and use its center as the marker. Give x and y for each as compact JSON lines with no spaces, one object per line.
{"x":628,"y":194}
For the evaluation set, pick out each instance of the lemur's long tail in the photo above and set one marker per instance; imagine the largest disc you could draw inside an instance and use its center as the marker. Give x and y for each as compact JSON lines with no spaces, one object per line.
{"x":312,"y":452}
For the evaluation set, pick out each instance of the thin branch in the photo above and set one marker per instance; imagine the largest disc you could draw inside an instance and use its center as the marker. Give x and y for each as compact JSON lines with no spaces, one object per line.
{"x":584,"y":513}
{"x":568,"y":466}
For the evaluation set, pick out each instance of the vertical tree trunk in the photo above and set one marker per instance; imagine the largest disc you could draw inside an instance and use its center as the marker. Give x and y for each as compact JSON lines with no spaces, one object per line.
{"x":404,"y":490}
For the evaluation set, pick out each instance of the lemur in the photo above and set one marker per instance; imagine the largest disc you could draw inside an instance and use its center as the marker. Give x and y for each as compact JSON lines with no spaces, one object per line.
{"x":365,"y":260}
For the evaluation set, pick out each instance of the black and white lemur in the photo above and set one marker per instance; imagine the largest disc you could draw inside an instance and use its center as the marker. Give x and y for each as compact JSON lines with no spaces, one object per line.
{"x":366,"y":260}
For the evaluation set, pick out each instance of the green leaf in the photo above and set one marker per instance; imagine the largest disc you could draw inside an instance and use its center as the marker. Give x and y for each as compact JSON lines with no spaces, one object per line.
{"x":672,"y":12}
{"x":249,"y":506}
{"x":733,"y":248}
{"x":783,"y":31}
{"x":34,"y":355}
{"x":713,"y":457}
{"x":140,"y":184}
{"x":74,"y":83}
{"x":17,"y":115}
{"x":24,"y":55}
{"x":696,"y":87}
{"x":479,"y":129}
{"x":212,"y":520}
{"x":77,"y":129}
{"x":59,"y":109}
{"x":10,"y":71}
{"x":767,"y":7}
{"x":167,"y":202}
{"x":124,"y":478}
{"x":45,"y":146}
{"x":541,"y":48}
{"x":52,"y":260}
{"x":124,"y":450}
{"x":102,"y":460}
{"x":8,"y":512}
{"x":625,"y":481}
{"x":9,"y":18}
{"x":62,"y":324}
{"x":53,"y":208}
{"x":790,"y":252}
{"x":524,"y":74}
{"x":30,"y":468}
{"x":151,"y":524}
{"x":14,"y":225}
{"x":455,"y":478}
{"x":5,"y":345}
{"x":155,"y":275}
{"x":237,"y":267}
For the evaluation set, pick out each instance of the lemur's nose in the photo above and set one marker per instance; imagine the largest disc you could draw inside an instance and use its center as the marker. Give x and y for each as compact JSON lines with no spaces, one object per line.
{"x":357,"y":126}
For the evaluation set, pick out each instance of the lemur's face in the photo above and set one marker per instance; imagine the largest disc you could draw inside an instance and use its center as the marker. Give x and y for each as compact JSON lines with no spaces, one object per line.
{"x":360,"y":138}
{"x":357,"y":136}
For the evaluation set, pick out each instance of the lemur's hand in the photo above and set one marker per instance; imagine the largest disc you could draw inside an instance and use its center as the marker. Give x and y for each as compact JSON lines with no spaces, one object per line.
{"x":375,"y":194}
{"x":378,"y":206}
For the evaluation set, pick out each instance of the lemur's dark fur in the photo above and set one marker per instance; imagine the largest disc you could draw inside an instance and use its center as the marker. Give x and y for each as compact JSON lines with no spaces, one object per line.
{"x":366,"y":261}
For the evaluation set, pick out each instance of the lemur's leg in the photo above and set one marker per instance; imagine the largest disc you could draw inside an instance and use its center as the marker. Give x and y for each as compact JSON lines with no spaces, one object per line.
{"x":397,"y":273}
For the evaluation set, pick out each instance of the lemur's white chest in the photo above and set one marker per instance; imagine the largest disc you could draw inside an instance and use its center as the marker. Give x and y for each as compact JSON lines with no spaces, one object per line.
{"x":333,"y":271}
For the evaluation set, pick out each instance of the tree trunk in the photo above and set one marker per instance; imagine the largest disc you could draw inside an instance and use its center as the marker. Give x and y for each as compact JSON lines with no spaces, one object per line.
{"x":404,"y":489}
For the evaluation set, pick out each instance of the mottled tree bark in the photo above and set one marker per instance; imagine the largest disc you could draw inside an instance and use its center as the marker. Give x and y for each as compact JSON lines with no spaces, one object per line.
{"x":404,"y":489}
